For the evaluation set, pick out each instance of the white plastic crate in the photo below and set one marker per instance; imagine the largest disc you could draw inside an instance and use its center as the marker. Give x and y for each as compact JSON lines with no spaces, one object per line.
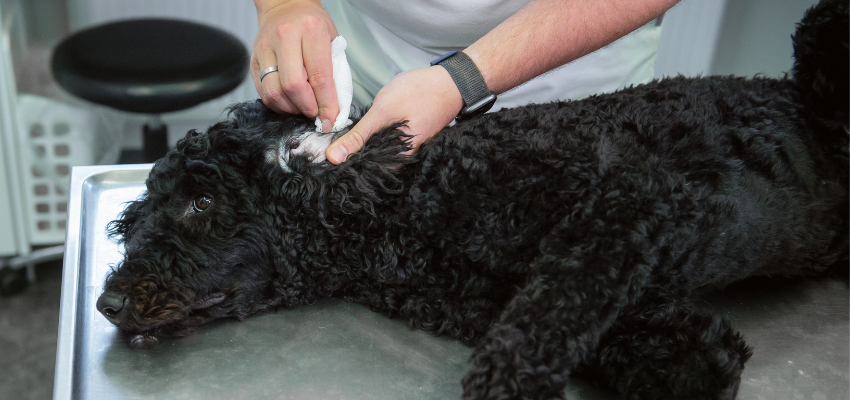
{"x":53,"y":137}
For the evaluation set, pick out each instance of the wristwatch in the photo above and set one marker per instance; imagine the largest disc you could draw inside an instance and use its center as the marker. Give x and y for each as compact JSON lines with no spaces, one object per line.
{"x":477,"y":98}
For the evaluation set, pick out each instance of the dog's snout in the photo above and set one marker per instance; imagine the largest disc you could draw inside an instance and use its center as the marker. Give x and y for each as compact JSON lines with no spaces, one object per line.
{"x":111,"y":305}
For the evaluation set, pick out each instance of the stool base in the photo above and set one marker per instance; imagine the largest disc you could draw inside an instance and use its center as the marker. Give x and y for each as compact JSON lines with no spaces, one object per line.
{"x":154,"y":142}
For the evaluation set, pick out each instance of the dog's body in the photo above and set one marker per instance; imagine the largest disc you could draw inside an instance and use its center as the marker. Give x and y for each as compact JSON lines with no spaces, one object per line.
{"x":554,"y":238}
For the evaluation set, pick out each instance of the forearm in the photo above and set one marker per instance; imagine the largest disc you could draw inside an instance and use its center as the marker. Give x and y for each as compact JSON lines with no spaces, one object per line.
{"x":545,"y":34}
{"x":542,"y":35}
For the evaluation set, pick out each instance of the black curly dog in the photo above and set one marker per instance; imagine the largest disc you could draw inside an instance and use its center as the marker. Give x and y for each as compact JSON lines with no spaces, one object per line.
{"x":555,"y":238}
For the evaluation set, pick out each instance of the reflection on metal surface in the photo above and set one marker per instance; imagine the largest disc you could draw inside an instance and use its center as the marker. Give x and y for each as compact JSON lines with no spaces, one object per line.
{"x":335,"y":350}
{"x":329,"y":350}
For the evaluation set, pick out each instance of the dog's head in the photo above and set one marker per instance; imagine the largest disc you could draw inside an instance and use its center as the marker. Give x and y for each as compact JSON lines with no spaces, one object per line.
{"x":207,"y":238}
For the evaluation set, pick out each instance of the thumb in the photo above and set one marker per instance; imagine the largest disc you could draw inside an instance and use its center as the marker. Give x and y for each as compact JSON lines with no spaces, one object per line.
{"x":351,"y":142}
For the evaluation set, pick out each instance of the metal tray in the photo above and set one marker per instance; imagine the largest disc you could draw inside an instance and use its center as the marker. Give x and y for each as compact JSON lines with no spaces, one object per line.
{"x":335,"y":350}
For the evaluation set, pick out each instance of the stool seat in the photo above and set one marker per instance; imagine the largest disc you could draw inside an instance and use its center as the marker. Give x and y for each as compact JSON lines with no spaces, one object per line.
{"x":150,"y":66}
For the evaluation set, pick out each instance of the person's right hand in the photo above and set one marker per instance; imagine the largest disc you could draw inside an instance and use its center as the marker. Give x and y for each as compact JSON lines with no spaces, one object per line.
{"x":296,"y":36}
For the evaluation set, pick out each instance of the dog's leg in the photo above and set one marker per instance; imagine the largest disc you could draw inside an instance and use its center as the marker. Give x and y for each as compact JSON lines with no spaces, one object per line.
{"x":574,"y":292}
{"x":591,"y":265}
{"x":662,"y":349}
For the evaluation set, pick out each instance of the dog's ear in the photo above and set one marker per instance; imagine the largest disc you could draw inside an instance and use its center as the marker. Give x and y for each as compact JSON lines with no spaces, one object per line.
{"x":249,"y":131}
{"x":128,"y":221}
{"x":243,"y":124}
{"x":224,"y":143}
{"x":194,"y":145}
{"x":251,"y":114}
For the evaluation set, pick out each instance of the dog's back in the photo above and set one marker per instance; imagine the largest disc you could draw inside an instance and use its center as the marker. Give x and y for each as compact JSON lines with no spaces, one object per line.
{"x":752,"y":170}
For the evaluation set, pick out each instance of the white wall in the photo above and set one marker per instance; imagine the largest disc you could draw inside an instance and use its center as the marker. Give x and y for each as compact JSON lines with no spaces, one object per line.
{"x":729,"y":37}
{"x":689,"y":35}
{"x":756,"y":37}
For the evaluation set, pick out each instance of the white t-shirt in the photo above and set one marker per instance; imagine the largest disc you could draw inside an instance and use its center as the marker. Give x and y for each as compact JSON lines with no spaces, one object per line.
{"x":385,"y":38}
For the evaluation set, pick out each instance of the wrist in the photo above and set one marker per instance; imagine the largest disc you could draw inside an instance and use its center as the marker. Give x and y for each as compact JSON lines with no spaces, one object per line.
{"x":477,"y":97}
{"x":451,"y":96}
{"x":264,"y":6}
{"x":483,"y":67}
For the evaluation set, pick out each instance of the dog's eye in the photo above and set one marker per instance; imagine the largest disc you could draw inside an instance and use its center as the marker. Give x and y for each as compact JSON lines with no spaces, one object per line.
{"x":201,"y":203}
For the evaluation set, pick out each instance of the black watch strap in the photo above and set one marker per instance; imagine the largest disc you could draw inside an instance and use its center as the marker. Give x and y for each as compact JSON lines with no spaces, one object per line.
{"x":476,"y":97}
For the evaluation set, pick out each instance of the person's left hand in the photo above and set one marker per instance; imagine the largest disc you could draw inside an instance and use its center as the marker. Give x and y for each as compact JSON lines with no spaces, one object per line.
{"x":426,"y":97}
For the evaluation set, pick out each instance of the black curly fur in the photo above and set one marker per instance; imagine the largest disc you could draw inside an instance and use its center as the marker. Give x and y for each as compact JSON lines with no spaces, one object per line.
{"x":823,"y":79}
{"x":554,"y":238}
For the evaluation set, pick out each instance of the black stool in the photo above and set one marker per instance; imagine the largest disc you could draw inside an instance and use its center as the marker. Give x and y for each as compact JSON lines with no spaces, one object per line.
{"x":150,"y":66}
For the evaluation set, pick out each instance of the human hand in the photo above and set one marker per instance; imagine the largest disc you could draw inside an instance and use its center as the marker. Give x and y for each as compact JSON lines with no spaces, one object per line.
{"x":296,"y":36}
{"x":427,"y":98}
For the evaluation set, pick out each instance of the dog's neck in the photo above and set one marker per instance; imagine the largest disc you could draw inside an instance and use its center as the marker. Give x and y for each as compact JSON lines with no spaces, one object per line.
{"x":332,"y":226}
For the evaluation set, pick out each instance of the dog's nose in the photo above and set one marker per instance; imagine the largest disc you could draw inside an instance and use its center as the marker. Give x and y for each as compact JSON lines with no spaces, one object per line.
{"x":111,"y":305}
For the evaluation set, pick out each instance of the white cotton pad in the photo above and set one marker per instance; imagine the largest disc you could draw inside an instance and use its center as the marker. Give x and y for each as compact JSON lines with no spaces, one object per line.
{"x":343,"y":84}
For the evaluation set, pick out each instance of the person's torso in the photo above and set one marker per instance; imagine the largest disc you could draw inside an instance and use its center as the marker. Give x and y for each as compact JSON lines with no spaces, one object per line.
{"x":386,"y":38}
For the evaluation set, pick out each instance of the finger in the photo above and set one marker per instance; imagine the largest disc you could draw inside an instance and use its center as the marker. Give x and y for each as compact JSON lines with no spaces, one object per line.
{"x":269,"y":88}
{"x":319,"y":67}
{"x":352,"y":141}
{"x":254,"y":68}
{"x":293,"y":79}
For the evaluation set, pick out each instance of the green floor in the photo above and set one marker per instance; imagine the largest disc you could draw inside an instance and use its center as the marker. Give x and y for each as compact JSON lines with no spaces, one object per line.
{"x":28,"y":330}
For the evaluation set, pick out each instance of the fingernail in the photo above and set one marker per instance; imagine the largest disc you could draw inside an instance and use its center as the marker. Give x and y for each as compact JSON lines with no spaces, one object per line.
{"x":326,"y":125}
{"x":337,"y":154}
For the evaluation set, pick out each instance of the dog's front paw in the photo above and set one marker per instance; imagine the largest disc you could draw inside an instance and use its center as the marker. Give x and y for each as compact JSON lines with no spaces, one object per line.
{"x":511,"y":365}
{"x":670,"y":350}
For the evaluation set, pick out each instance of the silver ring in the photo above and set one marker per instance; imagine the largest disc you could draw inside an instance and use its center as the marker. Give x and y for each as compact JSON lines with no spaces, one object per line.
{"x":267,"y":71}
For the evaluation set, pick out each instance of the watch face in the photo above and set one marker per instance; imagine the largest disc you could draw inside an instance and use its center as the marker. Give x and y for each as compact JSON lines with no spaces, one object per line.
{"x":478,"y":108}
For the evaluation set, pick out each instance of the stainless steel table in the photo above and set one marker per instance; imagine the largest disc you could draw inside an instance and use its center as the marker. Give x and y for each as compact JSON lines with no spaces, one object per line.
{"x":335,"y":350}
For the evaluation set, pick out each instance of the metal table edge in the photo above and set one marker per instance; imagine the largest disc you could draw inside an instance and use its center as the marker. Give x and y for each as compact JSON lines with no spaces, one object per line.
{"x":67,"y":330}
